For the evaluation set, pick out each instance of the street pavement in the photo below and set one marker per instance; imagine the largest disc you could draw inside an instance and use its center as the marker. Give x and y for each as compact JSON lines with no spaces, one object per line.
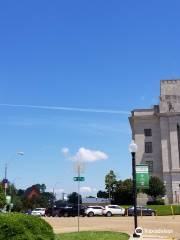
{"x":154,"y":227}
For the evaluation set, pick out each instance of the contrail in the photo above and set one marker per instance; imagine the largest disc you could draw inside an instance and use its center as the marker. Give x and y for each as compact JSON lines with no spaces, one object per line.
{"x":74,"y":109}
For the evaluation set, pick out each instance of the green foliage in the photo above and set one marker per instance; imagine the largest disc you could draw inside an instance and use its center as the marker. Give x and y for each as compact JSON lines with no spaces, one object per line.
{"x":158,"y":201}
{"x":2,"y":197}
{"x":124,"y":192}
{"x":24,"y":227}
{"x":93,"y":236}
{"x":18,"y":203}
{"x":110,"y":183}
{"x":73,"y":198}
{"x":43,"y":200}
{"x":102,"y":194}
{"x":156,"y":188}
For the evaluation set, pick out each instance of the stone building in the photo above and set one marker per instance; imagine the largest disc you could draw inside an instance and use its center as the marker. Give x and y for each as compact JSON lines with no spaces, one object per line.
{"x":156,"y":131}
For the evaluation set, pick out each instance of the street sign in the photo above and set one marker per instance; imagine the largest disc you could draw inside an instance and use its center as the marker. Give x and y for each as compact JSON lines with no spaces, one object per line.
{"x":80,"y":179}
{"x":142,"y":176}
{"x":5,"y":183}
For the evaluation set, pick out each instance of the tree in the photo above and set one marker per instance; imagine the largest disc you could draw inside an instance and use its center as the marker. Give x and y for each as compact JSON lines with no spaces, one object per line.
{"x":73,"y":198}
{"x":41,"y":187}
{"x":102,"y":194}
{"x":124,"y":192}
{"x":156,"y":188}
{"x":110,"y":183}
{"x":2,"y":198}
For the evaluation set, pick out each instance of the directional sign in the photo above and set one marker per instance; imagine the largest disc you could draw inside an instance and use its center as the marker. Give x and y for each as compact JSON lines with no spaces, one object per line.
{"x":80,"y":179}
{"x":142,"y":176}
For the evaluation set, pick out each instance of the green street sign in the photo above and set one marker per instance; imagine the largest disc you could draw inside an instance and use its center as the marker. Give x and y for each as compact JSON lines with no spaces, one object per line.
{"x":80,"y":179}
{"x":142,"y":176}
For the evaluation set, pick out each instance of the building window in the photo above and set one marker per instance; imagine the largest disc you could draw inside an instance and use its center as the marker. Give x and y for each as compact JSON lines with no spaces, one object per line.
{"x":150,"y":166}
{"x":148,"y":132}
{"x":148,"y":147}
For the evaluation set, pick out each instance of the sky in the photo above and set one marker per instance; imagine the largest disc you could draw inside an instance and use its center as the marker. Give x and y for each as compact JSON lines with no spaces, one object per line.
{"x":70,"y":73}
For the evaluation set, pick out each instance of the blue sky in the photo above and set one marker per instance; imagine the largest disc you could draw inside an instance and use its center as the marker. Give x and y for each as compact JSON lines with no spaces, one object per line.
{"x":79,"y":54}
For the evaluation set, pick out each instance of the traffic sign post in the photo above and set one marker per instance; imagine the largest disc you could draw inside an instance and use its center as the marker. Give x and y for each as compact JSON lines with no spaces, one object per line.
{"x":79,"y":167}
{"x":80,"y":179}
{"x":142,"y":176}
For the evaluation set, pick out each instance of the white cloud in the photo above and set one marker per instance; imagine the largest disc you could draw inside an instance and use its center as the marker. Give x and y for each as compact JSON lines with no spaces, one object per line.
{"x":59,"y":190}
{"x":65,"y":151}
{"x":74,"y":109}
{"x":94,"y":189}
{"x":85,"y":189}
{"x":88,"y":155}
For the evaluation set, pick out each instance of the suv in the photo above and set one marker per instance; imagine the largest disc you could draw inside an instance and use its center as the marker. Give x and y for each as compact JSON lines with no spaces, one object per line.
{"x":72,"y":211}
{"x":94,"y":210}
{"x":113,"y":210}
{"x":38,"y":212}
{"x":66,"y":211}
{"x":53,"y":212}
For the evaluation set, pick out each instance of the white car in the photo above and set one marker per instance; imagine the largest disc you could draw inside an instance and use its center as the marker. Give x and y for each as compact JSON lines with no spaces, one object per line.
{"x":38,"y":212}
{"x":113,"y":210}
{"x":94,"y":210}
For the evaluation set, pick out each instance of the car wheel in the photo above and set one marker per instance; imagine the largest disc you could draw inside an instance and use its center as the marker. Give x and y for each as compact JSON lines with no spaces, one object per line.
{"x":66,"y":215}
{"x":108,"y":214}
{"x":90,"y":214}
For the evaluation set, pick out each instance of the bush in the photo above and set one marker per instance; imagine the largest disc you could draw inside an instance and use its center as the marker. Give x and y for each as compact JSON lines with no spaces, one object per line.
{"x":24,"y":227}
{"x":156,"y":202}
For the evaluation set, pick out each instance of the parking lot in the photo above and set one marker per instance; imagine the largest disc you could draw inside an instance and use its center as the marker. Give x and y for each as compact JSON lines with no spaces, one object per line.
{"x":119,"y":224}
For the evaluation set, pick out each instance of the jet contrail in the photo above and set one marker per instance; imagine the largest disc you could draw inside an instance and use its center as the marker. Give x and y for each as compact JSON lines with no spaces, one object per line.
{"x":108,"y":111}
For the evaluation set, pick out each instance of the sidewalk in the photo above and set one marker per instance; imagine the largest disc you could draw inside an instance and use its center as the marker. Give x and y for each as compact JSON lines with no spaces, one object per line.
{"x":153,"y":237}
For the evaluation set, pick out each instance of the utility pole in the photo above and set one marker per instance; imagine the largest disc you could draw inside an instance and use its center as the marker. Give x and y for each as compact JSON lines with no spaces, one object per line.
{"x":5,"y":183}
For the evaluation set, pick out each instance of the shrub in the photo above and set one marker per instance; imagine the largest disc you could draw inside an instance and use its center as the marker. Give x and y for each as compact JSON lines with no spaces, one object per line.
{"x":24,"y":227}
{"x":156,"y":202}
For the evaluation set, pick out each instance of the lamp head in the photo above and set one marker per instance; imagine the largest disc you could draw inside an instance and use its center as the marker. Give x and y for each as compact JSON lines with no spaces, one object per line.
{"x":133,"y":147}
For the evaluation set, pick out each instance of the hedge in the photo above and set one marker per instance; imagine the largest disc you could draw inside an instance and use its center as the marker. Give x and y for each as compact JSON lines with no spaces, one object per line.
{"x":24,"y":227}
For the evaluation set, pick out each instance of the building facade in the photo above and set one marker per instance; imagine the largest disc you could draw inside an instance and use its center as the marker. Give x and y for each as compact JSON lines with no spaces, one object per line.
{"x":156,"y":131}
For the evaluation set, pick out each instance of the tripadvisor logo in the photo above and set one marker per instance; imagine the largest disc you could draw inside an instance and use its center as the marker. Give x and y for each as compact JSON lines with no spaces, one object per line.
{"x":139,"y":231}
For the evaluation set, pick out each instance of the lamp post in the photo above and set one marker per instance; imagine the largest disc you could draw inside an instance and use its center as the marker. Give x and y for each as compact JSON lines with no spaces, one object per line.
{"x":5,"y":172}
{"x":133,"y":149}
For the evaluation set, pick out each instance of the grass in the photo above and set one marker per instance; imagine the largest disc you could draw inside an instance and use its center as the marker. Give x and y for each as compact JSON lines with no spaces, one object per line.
{"x":163,"y":210}
{"x":93,"y":236}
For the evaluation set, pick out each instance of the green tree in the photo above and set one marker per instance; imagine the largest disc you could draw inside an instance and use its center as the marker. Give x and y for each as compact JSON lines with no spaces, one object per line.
{"x":110,"y":183}
{"x":73,"y":198}
{"x":156,"y":188}
{"x":2,"y":198}
{"x":124,"y":192}
{"x":17,"y":204}
{"x":102,"y":194}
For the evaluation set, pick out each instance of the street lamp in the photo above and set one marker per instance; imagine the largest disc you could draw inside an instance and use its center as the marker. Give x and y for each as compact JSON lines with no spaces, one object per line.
{"x":6,"y":168}
{"x":133,"y":149}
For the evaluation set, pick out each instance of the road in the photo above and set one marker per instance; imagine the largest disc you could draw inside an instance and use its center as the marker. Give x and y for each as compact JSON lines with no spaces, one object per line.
{"x":119,"y":224}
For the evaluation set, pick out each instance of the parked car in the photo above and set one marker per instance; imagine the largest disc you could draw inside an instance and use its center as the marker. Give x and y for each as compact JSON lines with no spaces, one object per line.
{"x":66,"y":211}
{"x":53,"y":212}
{"x":94,"y":210}
{"x":113,"y":210}
{"x":72,"y":211}
{"x":38,"y":212}
{"x":141,"y":210}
